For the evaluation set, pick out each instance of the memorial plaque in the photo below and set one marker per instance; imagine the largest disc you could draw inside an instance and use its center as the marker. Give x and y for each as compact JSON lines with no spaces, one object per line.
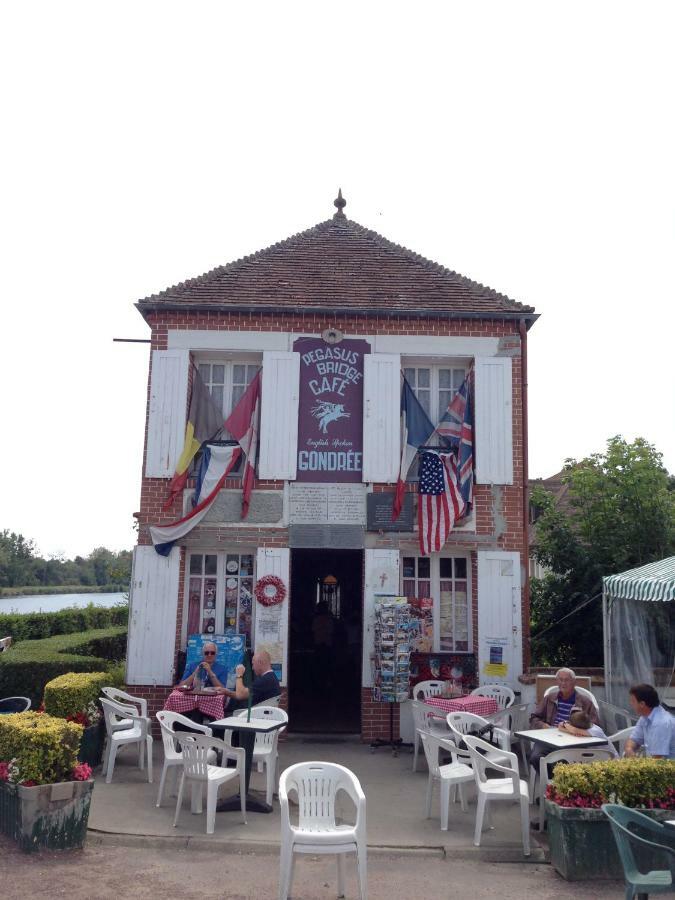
{"x":379,"y":513}
{"x":327,"y":504}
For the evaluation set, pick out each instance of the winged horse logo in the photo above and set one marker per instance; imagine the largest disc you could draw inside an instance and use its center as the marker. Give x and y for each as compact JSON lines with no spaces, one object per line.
{"x":327,"y":412}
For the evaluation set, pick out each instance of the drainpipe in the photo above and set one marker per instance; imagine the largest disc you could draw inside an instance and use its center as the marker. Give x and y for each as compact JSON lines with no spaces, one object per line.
{"x":526,"y":504}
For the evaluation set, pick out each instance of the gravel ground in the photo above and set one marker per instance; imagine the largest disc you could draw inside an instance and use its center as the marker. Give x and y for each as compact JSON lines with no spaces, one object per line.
{"x":102,"y":871}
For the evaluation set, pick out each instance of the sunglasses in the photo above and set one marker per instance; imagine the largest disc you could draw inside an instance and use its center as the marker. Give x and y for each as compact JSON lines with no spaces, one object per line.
{"x":209,"y":653}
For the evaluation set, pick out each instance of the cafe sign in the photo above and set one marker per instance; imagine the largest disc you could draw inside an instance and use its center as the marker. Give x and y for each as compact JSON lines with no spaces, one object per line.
{"x":330,"y":417}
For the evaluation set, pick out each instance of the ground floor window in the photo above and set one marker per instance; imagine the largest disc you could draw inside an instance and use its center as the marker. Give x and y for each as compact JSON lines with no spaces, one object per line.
{"x":219,"y":596}
{"x":444,"y":579}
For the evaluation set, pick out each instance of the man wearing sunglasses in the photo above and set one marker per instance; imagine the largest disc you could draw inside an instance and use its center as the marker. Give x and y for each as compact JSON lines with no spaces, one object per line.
{"x":207,"y":672}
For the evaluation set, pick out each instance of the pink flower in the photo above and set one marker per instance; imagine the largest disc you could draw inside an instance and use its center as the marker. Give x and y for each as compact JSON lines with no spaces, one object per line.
{"x":81,"y":772}
{"x":4,"y":771}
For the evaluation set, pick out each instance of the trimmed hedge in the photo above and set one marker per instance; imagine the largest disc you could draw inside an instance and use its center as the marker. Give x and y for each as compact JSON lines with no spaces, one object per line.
{"x":26,"y":668}
{"x":35,"y":626}
{"x":73,"y":692}
{"x":45,"y":748}
{"x":638,"y":783}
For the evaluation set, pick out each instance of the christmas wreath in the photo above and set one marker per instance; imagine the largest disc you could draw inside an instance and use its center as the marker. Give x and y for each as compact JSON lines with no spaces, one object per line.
{"x":270,"y":590}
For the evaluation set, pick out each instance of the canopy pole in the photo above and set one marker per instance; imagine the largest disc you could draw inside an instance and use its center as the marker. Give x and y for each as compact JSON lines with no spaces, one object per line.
{"x":607,"y":647}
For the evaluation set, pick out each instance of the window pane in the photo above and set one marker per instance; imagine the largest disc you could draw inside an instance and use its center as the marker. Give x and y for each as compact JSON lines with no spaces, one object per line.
{"x":444,"y":398}
{"x":410,"y":377}
{"x":423,"y":588}
{"x":238,"y":374}
{"x":425,"y":399}
{"x":446,"y":567}
{"x":218,"y":375}
{"x":217,"y":395}
{"x":211,"y":564}
{"x":445,"y":378}
{"x":424,"y":378}
{"x":251,"y":372}
{"x":460,"y":567}
{"x":237,"y":391}
{"x":423,"y":567}
{"x":409,"y":588}
{"x":205,"y":372}
{"x":196,"y":564}
{"x":408,"y":566}
{"x":458,"y":376}
{"x":246,"y":566}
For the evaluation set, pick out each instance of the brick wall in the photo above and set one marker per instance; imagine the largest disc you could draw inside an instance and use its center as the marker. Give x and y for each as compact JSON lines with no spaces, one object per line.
{"x":498,"y":512}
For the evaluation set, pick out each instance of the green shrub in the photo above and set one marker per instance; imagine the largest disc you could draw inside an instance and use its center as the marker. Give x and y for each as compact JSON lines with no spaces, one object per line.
{"x":637,"y":783}
{"x":73,"y":692}
{"x":45,"y":748}
{"x":34,"y":626}
{"x":26,"y":668}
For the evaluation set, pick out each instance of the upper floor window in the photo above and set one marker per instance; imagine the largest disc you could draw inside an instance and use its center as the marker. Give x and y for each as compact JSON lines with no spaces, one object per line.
{"x":435,"y":386}
{"x":227,"y":380}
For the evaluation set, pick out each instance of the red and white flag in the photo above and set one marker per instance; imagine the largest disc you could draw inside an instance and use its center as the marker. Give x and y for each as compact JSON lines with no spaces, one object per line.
{"x":243,"y":425}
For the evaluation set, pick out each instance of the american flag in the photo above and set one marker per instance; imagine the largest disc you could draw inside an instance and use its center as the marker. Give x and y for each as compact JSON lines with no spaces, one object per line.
{"x":440,"y":502}
{"x":456,"y":427}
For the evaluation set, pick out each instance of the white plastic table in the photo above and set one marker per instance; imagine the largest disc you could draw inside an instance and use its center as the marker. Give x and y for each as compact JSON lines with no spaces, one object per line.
{"x":553,"y":739}
{"x":248,"y":732}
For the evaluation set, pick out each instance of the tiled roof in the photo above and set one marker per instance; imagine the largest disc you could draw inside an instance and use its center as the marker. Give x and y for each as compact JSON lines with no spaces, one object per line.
{"x":338,"y":264}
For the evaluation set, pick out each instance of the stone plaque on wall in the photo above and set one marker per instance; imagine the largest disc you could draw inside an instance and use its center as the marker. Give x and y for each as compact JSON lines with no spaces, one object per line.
{"x":322,"y":504}
{"x":379,"y":513}
{"x":267,"y":507}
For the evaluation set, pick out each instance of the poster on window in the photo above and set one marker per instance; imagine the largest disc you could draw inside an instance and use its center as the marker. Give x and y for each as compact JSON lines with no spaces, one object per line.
{"x":330,"y":414}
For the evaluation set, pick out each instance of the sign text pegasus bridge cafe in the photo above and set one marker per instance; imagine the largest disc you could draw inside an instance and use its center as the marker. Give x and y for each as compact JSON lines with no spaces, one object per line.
{"x":332,"y":421}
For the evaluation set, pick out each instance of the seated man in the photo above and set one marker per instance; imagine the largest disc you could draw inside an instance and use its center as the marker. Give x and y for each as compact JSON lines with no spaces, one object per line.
{"x":580,"y":725}
{"x":206,"y":673}
{"x":556,"y":708}
{"x":265,"y":683}
{"x":655,"y":729}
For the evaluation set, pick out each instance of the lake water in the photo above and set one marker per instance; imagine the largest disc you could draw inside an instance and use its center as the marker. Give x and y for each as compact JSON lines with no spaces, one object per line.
{"x":54,"y":602}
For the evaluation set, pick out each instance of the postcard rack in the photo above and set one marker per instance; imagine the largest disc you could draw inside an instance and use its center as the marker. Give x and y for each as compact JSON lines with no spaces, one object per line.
{"x":391,"y":658}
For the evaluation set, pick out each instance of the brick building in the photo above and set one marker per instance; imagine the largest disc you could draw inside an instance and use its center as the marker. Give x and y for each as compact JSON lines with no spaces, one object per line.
{"x":333,"y":315}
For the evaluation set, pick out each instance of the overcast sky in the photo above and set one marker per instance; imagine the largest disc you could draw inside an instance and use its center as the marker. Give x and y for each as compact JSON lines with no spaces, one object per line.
{"x":529,"y":146}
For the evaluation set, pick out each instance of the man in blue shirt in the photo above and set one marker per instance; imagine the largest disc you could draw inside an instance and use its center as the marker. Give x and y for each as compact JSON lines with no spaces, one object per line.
{"x":655,"y":729}
{"x":206,"y":672}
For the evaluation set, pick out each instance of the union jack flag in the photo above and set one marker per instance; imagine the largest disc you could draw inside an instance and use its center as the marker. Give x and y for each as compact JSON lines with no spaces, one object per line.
{"x":440,"y":502}
{"x":456,"y":427}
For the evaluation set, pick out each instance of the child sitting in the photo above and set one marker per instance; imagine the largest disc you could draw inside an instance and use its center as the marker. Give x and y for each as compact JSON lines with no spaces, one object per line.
{"x":581,"y":726}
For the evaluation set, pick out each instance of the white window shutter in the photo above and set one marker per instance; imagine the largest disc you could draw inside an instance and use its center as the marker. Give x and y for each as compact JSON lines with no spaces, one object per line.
{"x":381,"y":417}
{"x":279,"y":415}
{"x":500,"y":633}
{"x":273,"y":561}
{"x":382,"y":577}
{"x":167,"y":412}
{"x":153,"y":603}
{"x":494,"y":420}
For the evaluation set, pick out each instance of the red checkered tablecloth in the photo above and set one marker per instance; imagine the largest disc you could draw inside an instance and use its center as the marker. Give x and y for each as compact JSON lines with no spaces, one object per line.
{"x":479,"y":706}
{"x":210,"y":704}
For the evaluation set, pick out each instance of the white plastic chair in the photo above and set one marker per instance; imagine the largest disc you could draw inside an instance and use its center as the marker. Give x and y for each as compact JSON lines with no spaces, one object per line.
{"x":453,"y":774}
{"x":619,"y":739}
{"x":173,"y":752}
{"x":425,"y":689}
{"x":509,"y":786}
{"x":265,"y":750}
{"x":124,"y":699}
{"x":463,"y":723}
{"x":197,"y":768}
{"x":580,"y":690}
{"x":499,"y":692}
{"x":138,"y":732}
{"x":569,"y":755}
{"x":316,"y":785}
{"x":424,"y":720}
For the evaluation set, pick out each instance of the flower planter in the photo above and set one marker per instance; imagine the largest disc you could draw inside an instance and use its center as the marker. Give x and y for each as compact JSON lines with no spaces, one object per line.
{"x":582,"y":845}
{"x":49,"y":816}
{"x":91,"y":745}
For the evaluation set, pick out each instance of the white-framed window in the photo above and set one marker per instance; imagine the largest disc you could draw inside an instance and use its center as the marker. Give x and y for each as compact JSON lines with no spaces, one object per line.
{"x":227,"y":379}
{"x":219,"y":593}
{"x":446,"y":580}
{"x":435,"y":385}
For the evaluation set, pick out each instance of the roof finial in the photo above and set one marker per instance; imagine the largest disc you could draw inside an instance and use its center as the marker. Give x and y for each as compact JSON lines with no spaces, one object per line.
{"x":340,"y":202}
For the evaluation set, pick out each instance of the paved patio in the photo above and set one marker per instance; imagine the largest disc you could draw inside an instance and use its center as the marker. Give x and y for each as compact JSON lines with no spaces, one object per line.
{"x":124,"y":811}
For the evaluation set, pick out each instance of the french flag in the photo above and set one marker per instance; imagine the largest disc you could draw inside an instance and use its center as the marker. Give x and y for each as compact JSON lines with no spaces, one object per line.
{"x":243,"y":426}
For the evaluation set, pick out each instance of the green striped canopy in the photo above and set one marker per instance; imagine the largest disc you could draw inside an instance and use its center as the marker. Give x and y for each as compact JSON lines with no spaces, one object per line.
{"x":653,"y":582}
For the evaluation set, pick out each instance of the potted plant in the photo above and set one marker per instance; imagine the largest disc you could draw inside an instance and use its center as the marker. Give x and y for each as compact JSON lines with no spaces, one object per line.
{"x":45,"y":793}
{"x":581,"y":841}
{"x":74,"y":697}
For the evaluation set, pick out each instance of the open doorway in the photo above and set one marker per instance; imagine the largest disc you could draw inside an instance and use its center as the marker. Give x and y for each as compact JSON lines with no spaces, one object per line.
{"x":324,"y":684}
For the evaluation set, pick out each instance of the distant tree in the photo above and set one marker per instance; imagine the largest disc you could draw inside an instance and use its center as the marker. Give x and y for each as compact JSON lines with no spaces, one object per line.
{"x":16,"y":559}
{"x":622,"y":516}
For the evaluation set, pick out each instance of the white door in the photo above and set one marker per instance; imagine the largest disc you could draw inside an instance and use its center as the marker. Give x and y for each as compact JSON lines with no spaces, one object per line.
{"x":270,"y":631}
{"x":153,"y":603}
{"x":382,"y":568}
{"x":500,"y":638}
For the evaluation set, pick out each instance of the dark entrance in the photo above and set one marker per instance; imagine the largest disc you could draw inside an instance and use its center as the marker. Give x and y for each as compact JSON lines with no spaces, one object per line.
{"x":325,"y":641}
